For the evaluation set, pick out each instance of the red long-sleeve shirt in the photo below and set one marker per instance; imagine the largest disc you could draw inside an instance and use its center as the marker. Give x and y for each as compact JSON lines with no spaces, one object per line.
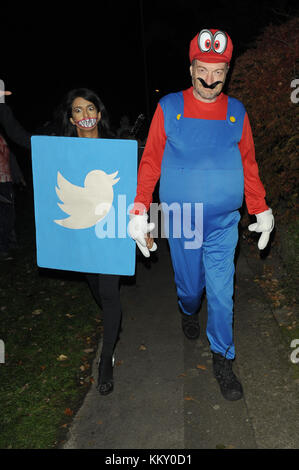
{"x":150,"y":165}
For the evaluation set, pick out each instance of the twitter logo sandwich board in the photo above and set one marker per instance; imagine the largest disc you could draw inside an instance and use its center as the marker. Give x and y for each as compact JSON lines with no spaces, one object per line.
{"x":83,"y":192}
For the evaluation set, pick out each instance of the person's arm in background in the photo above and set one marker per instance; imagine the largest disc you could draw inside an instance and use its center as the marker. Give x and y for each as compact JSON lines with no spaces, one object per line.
{"x":13,"y":128}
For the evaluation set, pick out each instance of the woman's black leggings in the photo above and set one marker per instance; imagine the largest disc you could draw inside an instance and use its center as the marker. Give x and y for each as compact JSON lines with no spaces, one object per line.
{"x":105,"y":289}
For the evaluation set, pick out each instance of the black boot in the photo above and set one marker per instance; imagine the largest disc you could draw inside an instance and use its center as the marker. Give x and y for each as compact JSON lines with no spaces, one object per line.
{"x":230,"y":387}
{"x":105,"y":377}
{"x":190,"y":325}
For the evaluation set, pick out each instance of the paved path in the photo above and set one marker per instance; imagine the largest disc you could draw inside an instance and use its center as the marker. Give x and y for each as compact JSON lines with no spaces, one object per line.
{"x":165,"y":394}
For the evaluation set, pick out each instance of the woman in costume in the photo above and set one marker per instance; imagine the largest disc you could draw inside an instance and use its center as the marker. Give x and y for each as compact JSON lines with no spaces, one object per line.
{"x":82,"y":114}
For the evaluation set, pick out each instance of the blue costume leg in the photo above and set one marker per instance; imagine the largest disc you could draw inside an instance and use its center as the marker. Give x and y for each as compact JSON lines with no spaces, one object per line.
{"x":218,"y":260}
{"x":188,"y":272}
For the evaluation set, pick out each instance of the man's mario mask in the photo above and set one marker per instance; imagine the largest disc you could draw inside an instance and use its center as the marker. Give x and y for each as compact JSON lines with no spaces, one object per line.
{"x":211,"y":45}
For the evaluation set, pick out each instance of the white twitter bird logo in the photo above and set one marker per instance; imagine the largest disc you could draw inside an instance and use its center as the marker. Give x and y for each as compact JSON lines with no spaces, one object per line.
{"x":86,"y":205}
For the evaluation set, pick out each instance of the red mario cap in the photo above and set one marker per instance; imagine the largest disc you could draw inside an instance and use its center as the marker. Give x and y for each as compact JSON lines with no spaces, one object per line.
{"x":211,"y":45}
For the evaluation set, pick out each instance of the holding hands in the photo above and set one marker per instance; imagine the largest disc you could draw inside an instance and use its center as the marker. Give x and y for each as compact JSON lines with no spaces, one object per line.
{"x":139,"y":230}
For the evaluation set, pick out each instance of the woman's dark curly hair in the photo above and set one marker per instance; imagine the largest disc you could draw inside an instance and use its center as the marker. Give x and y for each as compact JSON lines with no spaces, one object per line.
{"x":64,"y":113}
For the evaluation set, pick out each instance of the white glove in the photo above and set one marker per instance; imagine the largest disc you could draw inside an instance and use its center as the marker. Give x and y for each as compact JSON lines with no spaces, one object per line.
{"x":138,"y":228}
{"x":265,"y":225}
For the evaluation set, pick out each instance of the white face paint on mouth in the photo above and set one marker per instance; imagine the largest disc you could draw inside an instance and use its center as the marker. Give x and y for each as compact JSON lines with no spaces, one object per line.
{"x":87,"y":123}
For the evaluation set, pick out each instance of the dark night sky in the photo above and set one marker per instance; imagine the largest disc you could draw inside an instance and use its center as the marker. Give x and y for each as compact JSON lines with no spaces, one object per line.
{"x":45,"y":52}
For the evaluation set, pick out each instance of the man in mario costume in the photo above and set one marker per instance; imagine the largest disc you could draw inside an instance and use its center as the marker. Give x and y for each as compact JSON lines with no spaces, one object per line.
{"x":200,"y":145}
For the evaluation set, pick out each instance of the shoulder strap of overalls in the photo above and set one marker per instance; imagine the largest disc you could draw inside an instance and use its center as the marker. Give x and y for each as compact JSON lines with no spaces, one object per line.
{"x":235,"y":116}
{"x":173,"y":108}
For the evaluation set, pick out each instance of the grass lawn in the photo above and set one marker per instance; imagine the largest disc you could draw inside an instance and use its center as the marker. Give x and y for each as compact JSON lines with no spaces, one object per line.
{"x":50,"y":326}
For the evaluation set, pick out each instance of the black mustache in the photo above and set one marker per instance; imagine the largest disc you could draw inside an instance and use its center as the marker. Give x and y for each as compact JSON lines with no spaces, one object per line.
{"x":212,"y":86}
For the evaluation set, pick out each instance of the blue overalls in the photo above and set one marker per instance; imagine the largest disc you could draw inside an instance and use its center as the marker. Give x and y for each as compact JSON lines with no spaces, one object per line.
{"x":202,"y":168}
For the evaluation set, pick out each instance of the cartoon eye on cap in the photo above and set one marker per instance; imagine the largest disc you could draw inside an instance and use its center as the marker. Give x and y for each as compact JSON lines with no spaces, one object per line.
{"x":205,"y":40}
{"x":208,"y":41}
{"x":220,"y":42}
{"x":212,"y":46}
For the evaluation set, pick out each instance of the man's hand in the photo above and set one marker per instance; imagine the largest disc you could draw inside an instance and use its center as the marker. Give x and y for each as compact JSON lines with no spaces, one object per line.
{"x":264,"y":225}
{"x":138,"y":229}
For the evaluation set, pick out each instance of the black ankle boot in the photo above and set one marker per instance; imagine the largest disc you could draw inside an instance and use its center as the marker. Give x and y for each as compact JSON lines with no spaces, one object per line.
{"x":230,"y":387}
{"x":105,"y":377}
{"x":190,"y":325}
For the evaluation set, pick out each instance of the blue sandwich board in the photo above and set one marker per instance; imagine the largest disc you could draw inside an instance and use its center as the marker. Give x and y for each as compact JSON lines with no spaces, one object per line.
{"x":83,"y":192}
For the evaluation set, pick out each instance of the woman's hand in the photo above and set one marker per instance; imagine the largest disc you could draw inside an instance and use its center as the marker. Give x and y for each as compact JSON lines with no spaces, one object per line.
{"x":149,"y":241}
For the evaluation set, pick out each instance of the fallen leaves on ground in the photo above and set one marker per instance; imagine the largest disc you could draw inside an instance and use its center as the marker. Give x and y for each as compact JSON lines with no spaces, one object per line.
{"x":24,"y":388}
{"x":38,"y":311}
{"x":271,"y":286}
{"x":190,"y":398}
{"x":62,"y":357}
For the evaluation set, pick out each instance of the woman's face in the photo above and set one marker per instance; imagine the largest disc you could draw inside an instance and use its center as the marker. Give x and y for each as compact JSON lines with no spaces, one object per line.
{"x":85,"y":115}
